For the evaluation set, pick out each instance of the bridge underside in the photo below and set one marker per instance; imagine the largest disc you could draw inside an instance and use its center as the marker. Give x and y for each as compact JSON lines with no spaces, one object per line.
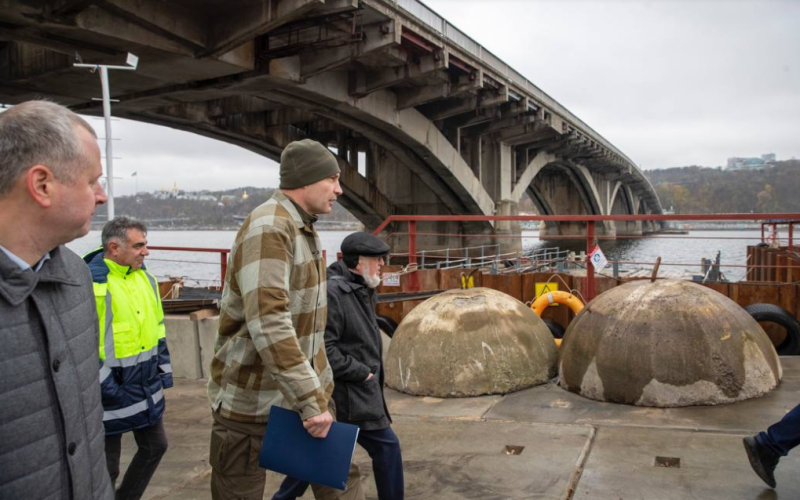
{"x":420,"y":125}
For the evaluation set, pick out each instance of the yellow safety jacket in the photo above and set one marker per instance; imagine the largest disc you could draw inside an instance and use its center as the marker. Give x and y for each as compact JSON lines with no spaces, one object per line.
{"x":134,"y":358}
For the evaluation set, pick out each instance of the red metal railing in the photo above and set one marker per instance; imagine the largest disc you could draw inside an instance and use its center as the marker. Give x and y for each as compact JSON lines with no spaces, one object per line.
{"x":774,"y":225}
{"x":767,"y":220}
{"x":412,"y":220}
{"x":223,"y":256}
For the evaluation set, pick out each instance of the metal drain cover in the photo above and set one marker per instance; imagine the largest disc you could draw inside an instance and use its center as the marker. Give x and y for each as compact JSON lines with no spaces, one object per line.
{"x":668,"y":462}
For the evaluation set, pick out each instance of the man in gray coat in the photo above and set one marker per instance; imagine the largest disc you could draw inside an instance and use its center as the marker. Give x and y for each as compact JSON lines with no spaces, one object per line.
{"x":51,"y":429}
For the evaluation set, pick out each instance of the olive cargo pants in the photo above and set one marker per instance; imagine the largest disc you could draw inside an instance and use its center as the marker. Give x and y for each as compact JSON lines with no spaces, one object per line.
{"x":235,"y":472}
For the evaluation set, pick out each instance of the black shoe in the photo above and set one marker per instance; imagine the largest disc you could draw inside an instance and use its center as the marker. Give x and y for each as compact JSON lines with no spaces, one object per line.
{"x":762,"y":460}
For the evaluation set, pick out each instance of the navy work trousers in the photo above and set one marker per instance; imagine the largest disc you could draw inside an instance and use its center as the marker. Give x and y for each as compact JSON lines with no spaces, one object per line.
{"x":782,"y":436}
{"x":387,"y":467}
{"x":152,"y":444}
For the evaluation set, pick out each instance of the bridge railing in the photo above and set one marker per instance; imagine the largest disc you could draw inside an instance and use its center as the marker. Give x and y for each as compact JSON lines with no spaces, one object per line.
{"x":222,"y":252}
{"x":764,"y":267}
{"x":223,"y":261}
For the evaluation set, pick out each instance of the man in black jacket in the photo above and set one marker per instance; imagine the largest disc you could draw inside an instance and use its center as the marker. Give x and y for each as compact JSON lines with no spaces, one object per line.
{"x":354,"y":347}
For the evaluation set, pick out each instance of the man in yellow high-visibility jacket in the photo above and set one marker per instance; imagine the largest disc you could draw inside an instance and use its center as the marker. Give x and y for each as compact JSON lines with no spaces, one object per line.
{"x":134,"y":360}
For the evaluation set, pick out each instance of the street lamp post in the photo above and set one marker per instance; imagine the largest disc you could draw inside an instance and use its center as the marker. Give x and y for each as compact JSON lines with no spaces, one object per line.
{"x":131,"y":63}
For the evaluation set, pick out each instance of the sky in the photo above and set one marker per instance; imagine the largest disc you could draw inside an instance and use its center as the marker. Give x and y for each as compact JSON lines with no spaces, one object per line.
{"x":668,"y":82}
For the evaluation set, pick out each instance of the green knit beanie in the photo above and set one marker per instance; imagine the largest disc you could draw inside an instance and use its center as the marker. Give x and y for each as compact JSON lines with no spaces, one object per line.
{"x":306,"y":162}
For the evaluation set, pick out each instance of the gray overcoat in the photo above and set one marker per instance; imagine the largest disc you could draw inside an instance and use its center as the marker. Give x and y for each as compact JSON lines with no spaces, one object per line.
{"x":51,"y":428}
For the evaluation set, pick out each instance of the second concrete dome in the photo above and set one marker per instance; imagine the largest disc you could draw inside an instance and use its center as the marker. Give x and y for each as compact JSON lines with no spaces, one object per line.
{"x":470,"y":343}
{"x":666,"y":344}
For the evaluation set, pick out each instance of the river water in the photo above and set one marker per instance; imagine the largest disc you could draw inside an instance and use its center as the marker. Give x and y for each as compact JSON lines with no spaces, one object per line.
{"x":204,"y":268}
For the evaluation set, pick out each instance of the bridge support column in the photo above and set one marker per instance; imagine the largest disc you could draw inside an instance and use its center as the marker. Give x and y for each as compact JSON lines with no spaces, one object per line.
{"x":411,"y":196}
{"x":508,"y":233}
{"x":629,"y":228}
{"x":606,"y":229}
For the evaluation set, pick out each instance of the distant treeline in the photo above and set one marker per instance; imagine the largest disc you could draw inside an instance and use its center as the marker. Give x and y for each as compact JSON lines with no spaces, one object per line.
{"x":184,"y":212}
{"x":687,"y":189}
{"x":712,"y":190}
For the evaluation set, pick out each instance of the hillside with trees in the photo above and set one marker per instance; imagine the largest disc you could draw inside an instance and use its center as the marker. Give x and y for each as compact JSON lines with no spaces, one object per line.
{"x":711,"y":190}
{"x":686,"y":189}
{"x":200,"y":210}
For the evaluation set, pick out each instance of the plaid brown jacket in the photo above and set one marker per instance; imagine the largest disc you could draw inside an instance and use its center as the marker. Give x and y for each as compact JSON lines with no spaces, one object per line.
{"x":270,"y":347}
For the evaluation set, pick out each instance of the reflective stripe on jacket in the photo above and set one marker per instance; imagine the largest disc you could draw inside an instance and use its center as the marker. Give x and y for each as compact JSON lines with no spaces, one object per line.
{"x":134,"y":359}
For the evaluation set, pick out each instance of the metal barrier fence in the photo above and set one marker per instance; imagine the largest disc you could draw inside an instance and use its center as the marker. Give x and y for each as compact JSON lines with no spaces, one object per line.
{"x":780,"y":264}
{"x":484,"y":256}
{"x":223,"y":256}
{"x":785,"y":266}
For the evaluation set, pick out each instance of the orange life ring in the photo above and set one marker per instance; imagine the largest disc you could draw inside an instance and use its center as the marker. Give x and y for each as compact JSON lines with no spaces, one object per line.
{"x":546,"y":299}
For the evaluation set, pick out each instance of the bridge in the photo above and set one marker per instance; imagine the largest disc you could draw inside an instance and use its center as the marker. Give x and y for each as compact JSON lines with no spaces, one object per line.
{"x":424,"y":120}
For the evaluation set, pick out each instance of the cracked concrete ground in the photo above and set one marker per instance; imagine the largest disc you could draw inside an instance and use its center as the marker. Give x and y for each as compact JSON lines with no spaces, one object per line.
{"x":573,"y":447}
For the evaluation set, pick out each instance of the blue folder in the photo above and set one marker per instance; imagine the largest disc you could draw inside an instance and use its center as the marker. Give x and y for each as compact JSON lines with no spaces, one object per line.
{"x":289,"y":449}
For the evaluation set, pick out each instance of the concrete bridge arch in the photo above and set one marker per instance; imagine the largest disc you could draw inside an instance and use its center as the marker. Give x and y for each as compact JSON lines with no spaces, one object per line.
{"x":423,"y":119}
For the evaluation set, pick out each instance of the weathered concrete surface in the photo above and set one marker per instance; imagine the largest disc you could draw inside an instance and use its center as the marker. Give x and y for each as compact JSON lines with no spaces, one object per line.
{"x":455,"y":460}
{"x":207,"y":334}
{"x":191,"y":344}
{"x":621,"y":465}
{"x":664,"y":344}
{"x":188,"y":423}
{"x":184,"y":346}
{"x":470,"y":343}
{"x":553,"y":405}
{"x":450,"y":453}
{"x":444,"y":458}
{"x":403,"y":405}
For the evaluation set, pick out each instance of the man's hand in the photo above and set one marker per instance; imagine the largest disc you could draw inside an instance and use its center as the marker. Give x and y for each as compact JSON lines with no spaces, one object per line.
{"x":319,"y":425}
{"x":370,"y":377}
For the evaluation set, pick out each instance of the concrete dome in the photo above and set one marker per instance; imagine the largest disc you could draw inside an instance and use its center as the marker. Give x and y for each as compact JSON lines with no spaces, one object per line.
{"x":470,"y":343}
{"x":665,"y":344}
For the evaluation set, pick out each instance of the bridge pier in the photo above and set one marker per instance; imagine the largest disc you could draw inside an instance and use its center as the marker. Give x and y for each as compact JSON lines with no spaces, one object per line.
{"x":629,"y":228}
{"x":410,"y":195}
{"x":606,"y":229}
{"x":508,"y":234}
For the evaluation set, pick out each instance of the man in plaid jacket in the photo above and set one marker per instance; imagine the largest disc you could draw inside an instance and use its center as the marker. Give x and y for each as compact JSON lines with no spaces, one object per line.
{"x":270,"y":348}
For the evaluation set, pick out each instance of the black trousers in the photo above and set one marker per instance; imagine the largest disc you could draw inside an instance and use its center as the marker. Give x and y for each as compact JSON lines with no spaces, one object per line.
{"x":152,"y":444}
{"x":383,"y":448}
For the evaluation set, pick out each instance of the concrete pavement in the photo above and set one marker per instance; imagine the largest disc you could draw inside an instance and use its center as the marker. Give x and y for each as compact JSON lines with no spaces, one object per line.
{"x":573,"y":447}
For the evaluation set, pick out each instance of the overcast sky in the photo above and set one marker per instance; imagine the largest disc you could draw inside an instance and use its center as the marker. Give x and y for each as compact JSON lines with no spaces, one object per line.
{"x":669,"y":82}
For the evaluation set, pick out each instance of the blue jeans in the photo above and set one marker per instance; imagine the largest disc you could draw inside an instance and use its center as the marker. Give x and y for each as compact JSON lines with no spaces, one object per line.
{"x":387,"y":467}
{"x":782,"y":436}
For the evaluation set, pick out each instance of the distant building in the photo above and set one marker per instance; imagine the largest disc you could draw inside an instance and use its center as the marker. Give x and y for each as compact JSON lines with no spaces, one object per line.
{"x":178,"y":194}
{"x":752,"y":163}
